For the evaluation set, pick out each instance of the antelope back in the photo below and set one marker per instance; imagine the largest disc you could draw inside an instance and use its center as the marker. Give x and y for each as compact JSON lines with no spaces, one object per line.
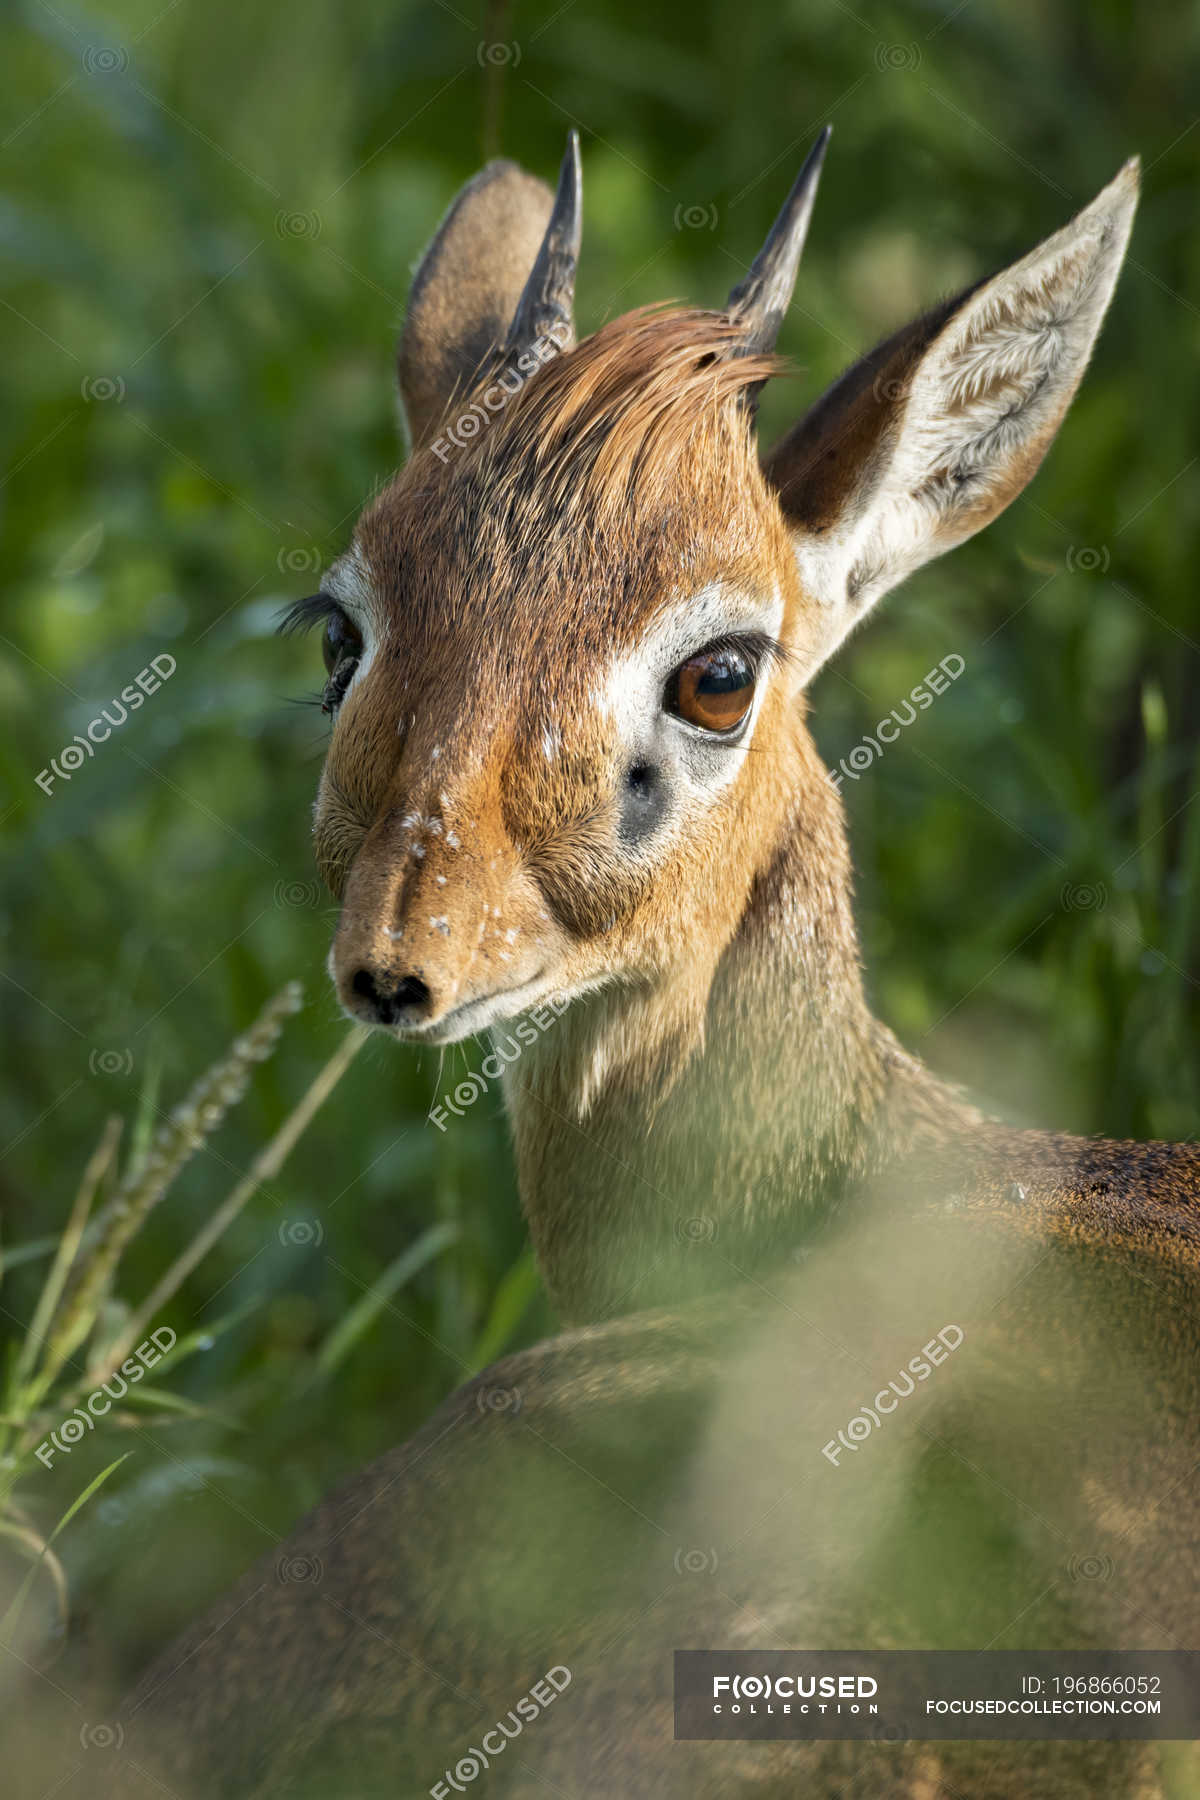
{"x":703,"y":1479}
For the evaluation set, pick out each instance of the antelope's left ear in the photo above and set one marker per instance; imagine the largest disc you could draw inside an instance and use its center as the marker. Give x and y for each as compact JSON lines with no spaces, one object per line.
{"x":925,"y":440}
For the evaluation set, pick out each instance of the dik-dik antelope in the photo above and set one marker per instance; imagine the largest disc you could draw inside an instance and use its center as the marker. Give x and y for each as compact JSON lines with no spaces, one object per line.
{"x":567,"y":658}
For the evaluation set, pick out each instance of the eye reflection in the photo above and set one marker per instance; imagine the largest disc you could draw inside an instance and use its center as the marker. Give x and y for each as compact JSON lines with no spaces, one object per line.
{"x":713,"y":690}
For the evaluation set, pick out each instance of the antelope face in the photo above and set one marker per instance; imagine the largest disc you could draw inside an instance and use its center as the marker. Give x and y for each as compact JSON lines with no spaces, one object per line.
{"x":559,"y":727}
{"x":566,"y":647}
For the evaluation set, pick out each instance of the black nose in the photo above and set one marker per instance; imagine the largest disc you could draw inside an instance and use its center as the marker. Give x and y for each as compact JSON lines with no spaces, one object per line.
{"x":393,"y":1003}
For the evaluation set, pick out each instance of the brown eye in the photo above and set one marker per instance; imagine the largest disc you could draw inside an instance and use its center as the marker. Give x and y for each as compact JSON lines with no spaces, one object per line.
{"x":713,"y":690}
{"x":341,"y":646}
{"x":340,"y":640}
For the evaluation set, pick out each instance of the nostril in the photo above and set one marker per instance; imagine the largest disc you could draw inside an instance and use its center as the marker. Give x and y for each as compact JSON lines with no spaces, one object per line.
{"x":412,"y":991}
{"x":409,"y":994}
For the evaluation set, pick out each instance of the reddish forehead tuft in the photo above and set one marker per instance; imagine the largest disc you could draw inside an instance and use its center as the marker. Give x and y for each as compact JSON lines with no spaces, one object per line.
{"x":626,"y":465}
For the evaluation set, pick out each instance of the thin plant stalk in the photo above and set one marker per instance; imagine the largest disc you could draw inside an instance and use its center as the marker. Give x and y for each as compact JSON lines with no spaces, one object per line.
{"x":8,"y":1624}
{"x":175,"y":1142}
{"x":265,"y":1167}
{"x":99,"y":1164}
{"x":40,"y":1555}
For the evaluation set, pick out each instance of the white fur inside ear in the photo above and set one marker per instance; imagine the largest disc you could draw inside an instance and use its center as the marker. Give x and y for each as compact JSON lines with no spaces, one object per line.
{"x":982,"y":406}
{"x":1007,"y":365}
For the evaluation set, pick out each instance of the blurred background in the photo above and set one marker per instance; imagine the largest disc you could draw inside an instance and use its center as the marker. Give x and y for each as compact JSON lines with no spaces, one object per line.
{"x":209,"y":219}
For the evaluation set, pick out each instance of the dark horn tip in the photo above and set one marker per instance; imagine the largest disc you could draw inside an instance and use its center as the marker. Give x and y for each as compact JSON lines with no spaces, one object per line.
{"x":570,"y":190}
{"x":546,"y":304}
{"x":760,"y":302}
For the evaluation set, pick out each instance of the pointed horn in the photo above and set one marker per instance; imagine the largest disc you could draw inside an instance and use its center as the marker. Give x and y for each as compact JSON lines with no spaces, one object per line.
{"x":761,"y":301}
{"x":546,"y":307}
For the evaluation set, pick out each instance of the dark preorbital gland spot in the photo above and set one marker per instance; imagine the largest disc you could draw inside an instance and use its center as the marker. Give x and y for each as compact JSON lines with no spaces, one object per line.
{"x":643,"y":802}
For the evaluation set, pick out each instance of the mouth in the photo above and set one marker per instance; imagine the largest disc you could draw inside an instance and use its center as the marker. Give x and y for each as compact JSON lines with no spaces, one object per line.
{"x":473,"y":1016}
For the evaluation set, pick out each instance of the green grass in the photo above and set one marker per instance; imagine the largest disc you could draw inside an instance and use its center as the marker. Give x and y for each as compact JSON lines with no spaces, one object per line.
{"x":207,"y":246}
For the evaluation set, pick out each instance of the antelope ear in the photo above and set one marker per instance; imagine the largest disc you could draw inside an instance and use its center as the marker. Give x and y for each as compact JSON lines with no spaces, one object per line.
{"x":925,"y":440}
{"x":467,"y":288}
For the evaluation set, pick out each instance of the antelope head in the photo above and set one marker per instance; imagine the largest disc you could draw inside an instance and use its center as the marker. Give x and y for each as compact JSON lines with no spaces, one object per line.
{"x":568,"y":646}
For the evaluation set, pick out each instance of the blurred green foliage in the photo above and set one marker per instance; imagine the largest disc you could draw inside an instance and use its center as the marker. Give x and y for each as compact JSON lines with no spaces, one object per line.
{"x":209,"y":218}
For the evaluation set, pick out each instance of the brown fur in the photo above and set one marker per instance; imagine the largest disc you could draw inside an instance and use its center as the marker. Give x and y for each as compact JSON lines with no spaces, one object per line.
{"x":543,"y":1515}
{"x":624,"y":472}
{"x":717,"y":1117}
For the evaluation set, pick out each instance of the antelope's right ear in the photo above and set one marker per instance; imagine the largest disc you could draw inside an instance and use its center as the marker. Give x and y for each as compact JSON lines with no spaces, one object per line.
{"x":925,"y":440}
{"x":467,"y":288}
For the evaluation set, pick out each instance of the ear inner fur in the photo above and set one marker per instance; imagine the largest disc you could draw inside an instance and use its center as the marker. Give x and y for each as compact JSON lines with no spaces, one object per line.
{"x":933,"y":433}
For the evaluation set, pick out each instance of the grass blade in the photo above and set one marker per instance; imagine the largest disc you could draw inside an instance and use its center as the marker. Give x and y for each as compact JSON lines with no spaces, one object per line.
{"x":362,"y":1316}
{"x":508,"y":1308}
{"x":99,"y":1163}
{"x":265,"y":1167}
{"x":11,"y":1618}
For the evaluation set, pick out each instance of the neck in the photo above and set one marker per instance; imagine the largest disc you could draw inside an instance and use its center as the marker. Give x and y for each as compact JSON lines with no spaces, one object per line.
{"x":668,"y":1141}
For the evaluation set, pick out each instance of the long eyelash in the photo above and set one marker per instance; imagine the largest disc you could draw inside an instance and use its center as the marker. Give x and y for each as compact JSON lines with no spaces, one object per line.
{"x":303,"y":615}
{"x":758,"y":647}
